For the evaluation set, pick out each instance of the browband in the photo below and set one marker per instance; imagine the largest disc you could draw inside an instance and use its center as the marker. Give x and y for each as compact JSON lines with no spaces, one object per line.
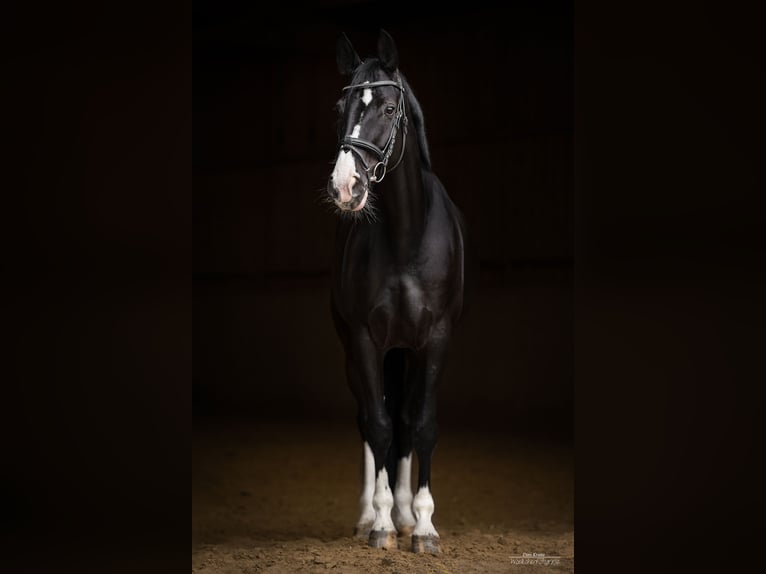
{"x":375,"y":85}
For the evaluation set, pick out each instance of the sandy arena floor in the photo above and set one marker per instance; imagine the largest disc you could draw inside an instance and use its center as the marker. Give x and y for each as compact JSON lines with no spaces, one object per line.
{"x":282,"y":498}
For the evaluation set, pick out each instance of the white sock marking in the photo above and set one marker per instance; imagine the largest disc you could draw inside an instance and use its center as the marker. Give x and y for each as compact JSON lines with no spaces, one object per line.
{"x":383,"y":502}
{"x":366,"y":511}
{"x":423,"y":507}
{"x":403,"y":493}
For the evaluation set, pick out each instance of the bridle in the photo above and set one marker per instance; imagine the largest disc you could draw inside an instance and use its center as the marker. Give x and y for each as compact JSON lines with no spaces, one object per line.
{"x":352,"y":144}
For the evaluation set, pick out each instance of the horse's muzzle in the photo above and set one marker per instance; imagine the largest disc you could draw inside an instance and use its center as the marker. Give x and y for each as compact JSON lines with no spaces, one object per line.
{"x":355,"y":198}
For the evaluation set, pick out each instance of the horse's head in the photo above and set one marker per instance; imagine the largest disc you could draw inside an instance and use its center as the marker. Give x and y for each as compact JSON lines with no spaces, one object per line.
{"x":371,"y":112}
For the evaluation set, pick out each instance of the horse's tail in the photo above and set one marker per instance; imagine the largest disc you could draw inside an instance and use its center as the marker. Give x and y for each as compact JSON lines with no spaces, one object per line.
{"x":394,"y":381}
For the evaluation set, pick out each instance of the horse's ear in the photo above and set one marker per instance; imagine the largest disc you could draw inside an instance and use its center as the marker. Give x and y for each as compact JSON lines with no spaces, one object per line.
{"x":387,"y":53}
{"x":346,"y":56}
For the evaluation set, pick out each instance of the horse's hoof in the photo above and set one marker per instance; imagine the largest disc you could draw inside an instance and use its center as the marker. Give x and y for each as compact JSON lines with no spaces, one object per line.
{"x":383,"y":539}
{"x":405,"y":530}
{"x":428,"y":543}
{"x":362,"y":530}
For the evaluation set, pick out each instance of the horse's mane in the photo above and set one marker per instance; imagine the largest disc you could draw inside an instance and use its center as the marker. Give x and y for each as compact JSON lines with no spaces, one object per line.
{"x":367,"y":72}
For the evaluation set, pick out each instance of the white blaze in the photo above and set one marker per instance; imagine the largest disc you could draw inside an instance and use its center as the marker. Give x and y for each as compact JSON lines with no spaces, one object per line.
{"x":367,"y":512}
{"x":367,"y":96}
{"x":423,"y":507}
{"x":344,"y":175}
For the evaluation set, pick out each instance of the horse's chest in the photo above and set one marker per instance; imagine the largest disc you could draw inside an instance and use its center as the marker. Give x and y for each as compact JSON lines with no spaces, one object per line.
{"x":401,"y":314}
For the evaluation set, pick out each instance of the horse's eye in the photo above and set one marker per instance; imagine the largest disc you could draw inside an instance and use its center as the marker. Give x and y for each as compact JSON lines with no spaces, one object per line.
{"x":390,"y":110}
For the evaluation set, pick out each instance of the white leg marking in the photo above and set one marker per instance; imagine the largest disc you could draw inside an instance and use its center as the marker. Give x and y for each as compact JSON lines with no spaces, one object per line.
{"x":403,"y":494}
{"x":344,"y":175}
{"x":423,"y":507}
{"x":366,"y":511}
{"x":383,"y":502}
{"x":367,"y":96}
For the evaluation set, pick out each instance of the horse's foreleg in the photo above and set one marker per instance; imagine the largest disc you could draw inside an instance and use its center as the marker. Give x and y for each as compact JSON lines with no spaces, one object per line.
{"x":425,"y":538}
{"x":377,"y":432}
{"x":383,"y":533}
{"x":366,"y":510}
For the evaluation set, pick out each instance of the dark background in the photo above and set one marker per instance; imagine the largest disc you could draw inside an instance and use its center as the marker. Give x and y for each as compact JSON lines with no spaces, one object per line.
{"x":668,"y":298}
{"x":496,"y":86}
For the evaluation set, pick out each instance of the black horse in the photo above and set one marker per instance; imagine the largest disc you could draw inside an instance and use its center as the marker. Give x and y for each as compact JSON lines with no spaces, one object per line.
{"x":397,"y":289}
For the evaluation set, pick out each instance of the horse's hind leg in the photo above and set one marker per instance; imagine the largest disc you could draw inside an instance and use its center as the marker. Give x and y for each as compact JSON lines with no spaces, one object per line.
{"x":398,"y":371}
{"x":403,"y":518}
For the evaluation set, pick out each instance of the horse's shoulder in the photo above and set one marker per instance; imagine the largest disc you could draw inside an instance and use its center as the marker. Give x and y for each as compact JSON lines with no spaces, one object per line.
{"x":452,"y":225}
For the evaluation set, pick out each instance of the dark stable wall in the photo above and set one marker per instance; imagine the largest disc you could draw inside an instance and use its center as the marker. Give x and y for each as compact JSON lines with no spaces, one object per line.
{"x":496,"y":89}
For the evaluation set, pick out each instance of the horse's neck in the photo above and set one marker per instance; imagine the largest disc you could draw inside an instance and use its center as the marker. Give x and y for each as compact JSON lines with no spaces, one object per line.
{"x":404,"y":205}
